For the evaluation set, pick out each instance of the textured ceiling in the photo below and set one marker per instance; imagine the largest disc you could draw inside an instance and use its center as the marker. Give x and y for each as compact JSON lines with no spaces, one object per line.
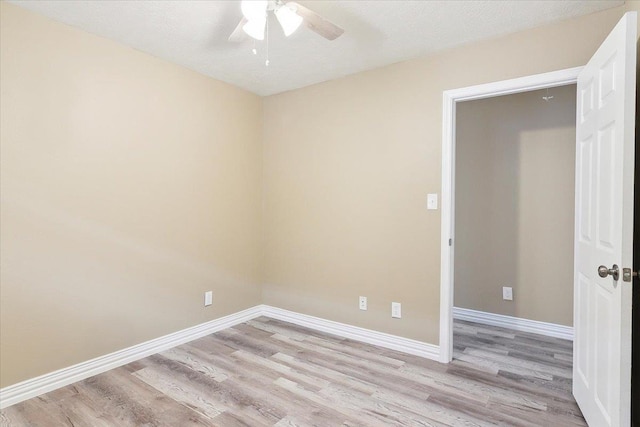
{"x":194,"y":33}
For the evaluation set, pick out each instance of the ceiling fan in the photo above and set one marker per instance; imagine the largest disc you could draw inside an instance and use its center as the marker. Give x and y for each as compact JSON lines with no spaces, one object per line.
{"x":289,"y":14}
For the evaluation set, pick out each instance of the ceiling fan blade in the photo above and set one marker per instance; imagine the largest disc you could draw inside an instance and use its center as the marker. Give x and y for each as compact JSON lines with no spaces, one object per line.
{"x":238,"y":34}
{"x":317,"y":23}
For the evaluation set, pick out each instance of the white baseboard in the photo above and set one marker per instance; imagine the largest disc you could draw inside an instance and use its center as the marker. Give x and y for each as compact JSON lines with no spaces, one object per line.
{"x":519,"y":324}
{"x":45,"y":383}
{"x":393,"y":342}
{"x":48,"y":382}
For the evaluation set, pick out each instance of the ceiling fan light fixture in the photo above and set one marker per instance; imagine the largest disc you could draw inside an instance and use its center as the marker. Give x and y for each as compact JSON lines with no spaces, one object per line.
{"x":255,"y":28}
{"x":289,"y":20}
{"x":254,"y":9}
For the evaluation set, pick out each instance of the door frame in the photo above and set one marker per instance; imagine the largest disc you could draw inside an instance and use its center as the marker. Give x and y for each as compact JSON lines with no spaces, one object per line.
{"x":450,"y":99}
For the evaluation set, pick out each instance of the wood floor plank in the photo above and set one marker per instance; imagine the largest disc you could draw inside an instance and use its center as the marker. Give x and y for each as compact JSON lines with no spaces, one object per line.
{"x":345,"y":349}
{"x":518,"y":364}
{"x":285,"y":371}
{"x":268,"y":372}
{"x":477,"y":388}
{"x":517,"y":387}
{"x":181,"y":392}
{"x":255,"y":407}
{"x":191,"y":359}
{"x":385,"y":410}
{"x":258,"y":384}
{"x":132,"y":402}
{"x":364,"y":373}
{"x":329,"y":375}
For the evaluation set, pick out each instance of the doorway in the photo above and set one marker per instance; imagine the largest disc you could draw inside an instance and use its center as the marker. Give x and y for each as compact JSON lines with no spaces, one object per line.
{"x":515,"y":205}
{"x":451,"y":99}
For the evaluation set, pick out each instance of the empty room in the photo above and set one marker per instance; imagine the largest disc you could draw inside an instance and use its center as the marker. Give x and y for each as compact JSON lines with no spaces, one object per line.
{"x":318,"y":213}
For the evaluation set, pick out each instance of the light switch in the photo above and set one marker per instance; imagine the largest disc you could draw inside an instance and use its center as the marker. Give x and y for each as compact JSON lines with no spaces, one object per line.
{"x":432,"y":201}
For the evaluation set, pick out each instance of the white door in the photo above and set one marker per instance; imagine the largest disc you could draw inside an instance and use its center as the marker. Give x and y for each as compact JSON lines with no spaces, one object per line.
{"x":604,"y":229}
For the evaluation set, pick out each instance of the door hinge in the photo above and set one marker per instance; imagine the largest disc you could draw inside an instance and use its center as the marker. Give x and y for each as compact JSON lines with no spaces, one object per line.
{"x":628,"y":274}
{"x":450,"y":242}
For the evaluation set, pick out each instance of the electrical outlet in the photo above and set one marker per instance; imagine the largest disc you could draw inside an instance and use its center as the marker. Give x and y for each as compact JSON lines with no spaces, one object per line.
{"x":363,"y":303}
{"x":396,"y":310}
{"x":507,"y":293}
{"x":208,"y":298}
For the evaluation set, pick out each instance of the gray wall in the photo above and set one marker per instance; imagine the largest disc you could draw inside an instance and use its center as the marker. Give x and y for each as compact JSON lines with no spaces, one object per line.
{"x":515,"y":162}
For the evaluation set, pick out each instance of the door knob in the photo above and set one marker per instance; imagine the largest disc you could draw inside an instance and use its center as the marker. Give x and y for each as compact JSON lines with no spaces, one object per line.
{"x":614,"y":271}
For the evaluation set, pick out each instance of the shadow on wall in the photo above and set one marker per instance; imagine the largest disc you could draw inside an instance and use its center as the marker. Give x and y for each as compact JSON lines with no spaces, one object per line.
{"x":515,"y":163}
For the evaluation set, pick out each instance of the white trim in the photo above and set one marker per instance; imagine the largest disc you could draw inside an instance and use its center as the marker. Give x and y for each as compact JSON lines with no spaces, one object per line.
{"x":36,"y":386}
{"x":48,"y":382}
{"x":516,"y":323}
{"x":450,"y":98}
{"x":394,"y":342}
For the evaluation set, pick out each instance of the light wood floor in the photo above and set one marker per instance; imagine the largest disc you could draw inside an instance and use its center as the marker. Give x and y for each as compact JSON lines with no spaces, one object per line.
{"x":270,"y":373}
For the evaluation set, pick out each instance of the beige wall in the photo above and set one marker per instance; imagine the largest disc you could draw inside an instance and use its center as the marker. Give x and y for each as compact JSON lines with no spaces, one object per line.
{"x":515,"y":175}
{"x":129,"y":187}
{"x":348,"y":165}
